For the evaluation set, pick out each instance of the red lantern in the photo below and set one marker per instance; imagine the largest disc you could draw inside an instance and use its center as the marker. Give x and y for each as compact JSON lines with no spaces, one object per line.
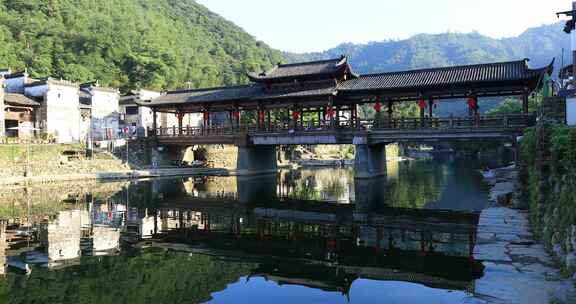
{"x":261,"y":116}
{"x":236,"y":114}
{"x":378,"y":107}
{"x":295,"y":115}
{"x":422,"y":104}
{"x":330,"y":112}
{"x":206,"y":116}
{"x":472,"y":103}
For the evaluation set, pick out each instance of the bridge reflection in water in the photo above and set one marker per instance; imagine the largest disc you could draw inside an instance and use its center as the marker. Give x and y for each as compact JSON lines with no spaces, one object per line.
{"x":312,"y":243}
{"x":319,"y":244}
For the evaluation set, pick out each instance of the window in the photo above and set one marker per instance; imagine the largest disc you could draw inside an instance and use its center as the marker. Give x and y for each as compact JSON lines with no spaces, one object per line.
{"x":131,"y":110}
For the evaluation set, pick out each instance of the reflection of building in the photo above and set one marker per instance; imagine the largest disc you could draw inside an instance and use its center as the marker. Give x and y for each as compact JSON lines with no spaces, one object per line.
{"x":105,"y":238}
{"x":61,"y":238}
{"x":3,"y":247}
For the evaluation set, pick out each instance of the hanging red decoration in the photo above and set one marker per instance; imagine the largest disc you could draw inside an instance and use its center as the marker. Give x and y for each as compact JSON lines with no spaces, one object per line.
{"x":295,"y":115}
{"x":378,"y":106}
{"x":422,"y":104}
{"x":180,"y":116}
{"x":206,"y":116}
{"x":261,"y":116}
{"x":236,"y":114}
{"x":472,"y":103}
{"x":330,"y":112}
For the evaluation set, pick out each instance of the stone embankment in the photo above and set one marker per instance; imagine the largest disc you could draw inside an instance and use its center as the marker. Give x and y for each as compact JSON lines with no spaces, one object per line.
{"x":517,"y":267}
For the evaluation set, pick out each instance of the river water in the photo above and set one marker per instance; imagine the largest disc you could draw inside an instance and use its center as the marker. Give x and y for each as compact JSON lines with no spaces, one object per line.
{"x":305,"y":235}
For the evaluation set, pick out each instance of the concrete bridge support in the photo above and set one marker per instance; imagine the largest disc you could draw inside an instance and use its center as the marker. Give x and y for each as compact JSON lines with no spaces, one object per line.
{"x":370,"y":161}
{"x":253,"y":160}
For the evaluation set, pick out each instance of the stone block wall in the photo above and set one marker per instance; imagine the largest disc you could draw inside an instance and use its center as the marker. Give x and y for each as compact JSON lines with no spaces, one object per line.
{"x":219,"y":156}
{"x":48,"y":159}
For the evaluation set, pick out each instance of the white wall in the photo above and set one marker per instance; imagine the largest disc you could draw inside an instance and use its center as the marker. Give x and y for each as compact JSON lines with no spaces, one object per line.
{"x":105,"y":112}
{"x":63,"y":113}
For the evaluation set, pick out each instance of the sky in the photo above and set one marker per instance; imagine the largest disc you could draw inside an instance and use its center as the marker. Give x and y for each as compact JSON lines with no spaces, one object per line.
{"x":316,"y":25}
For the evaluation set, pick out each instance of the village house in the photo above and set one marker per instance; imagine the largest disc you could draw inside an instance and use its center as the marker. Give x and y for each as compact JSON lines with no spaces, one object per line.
{"x":134,"y":116}
{"x":100,"y":108}
{"x":16,"y":109}
{"x":57,"y":110}
{"x":59,"y":113}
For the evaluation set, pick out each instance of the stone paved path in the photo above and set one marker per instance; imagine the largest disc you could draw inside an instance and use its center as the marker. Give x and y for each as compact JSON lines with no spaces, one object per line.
{"x":518,"y":270}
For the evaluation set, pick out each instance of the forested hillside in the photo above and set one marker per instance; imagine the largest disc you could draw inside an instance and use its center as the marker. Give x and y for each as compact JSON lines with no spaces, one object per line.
{"x":156,"y":44}
{"x":540,"y":44}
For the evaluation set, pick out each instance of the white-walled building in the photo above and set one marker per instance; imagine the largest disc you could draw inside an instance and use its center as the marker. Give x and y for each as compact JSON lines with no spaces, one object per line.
{"x":134,"y":115}
{"x":104,"y":108}
{"x":59,"y":113}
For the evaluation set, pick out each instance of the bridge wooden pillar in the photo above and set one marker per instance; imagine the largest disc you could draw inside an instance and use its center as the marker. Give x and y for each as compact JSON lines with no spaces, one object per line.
{"x":430,"y":107}
{"x":180,"y":117}
{"x":154,"y":123}
{"x":525,"y":109}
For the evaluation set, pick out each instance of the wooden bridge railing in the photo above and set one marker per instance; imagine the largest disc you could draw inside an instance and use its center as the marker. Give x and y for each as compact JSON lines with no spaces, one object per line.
{"x":507,"y":122}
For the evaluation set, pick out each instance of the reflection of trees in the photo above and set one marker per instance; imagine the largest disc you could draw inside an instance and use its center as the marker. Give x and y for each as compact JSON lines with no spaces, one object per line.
{"x":419,"y":183}
{"x":318,"y":184}
{"x":151,"y":277}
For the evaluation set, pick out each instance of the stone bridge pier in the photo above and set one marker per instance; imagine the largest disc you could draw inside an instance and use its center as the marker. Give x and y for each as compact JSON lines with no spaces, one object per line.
{"x":251,"y":159}
{"x":254,"y":160}
{"x":370,"y":160}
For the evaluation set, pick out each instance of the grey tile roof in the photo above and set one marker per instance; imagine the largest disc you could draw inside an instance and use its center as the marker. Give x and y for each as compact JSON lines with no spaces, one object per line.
{"x":239,"y":93}
{"x":20,"y":100}
{"x":312,"y":92}
{"x":444,"y":77}
{"x":511,"y":74}
{"x":294,"y":70}
{"x":223,"y":94}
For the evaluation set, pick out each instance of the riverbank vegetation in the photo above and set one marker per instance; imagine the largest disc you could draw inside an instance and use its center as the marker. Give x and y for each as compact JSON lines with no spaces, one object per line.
{"x":548,"y":184}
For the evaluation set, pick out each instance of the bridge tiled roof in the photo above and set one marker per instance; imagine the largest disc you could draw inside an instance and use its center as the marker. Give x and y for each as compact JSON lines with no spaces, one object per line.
{"x":492,"y":79}
{"x":456,"y":76}
{"x":236,"y":94}
{"x":303,"y":70}
{"x":209,"y":95}
{"x":329,"y":90}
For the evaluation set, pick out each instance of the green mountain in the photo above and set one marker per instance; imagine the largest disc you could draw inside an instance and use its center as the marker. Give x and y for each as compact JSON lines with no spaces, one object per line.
{"x":540,"y":44}
{"x":156,"y":44}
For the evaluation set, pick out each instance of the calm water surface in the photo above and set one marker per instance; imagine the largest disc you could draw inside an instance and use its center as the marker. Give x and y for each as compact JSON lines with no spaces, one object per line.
{"x":307,"y":236}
